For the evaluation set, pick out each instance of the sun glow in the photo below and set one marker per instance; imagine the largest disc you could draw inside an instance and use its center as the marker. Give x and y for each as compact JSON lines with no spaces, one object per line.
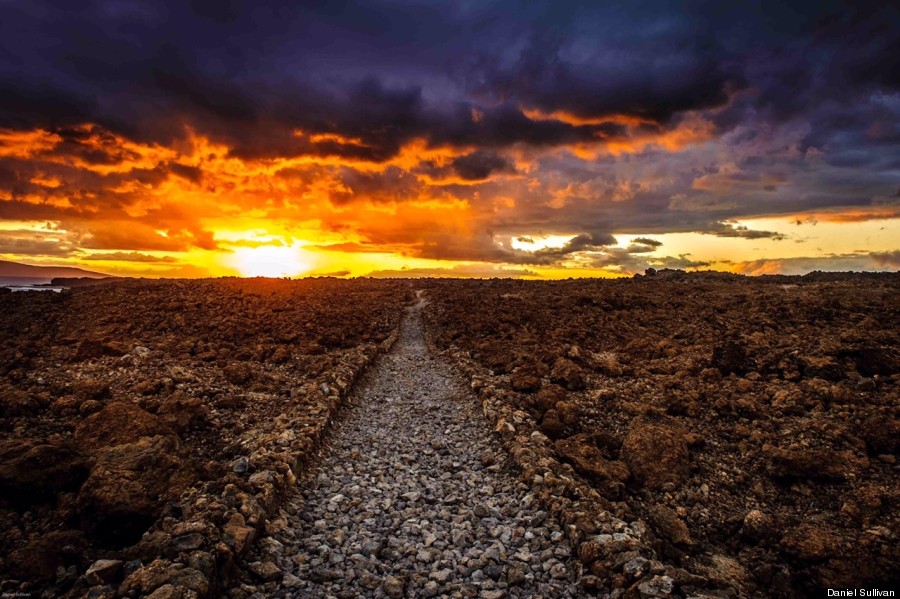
{"x":271,"y":261}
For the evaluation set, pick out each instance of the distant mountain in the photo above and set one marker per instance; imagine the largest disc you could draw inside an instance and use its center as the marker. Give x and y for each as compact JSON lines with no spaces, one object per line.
{"x":15,"y":273}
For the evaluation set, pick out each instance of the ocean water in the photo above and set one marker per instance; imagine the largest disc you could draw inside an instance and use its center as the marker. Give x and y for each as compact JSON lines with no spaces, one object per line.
{"x":32,"y":288}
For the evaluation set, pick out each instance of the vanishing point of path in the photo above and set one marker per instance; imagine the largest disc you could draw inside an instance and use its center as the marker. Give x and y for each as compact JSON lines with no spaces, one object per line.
{"x":414,"y":499}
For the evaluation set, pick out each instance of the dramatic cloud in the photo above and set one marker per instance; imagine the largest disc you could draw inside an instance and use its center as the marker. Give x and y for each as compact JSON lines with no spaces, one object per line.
{"x":149,"y":133}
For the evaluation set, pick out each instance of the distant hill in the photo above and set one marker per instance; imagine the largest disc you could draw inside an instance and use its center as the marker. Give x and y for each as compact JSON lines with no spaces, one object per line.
{"x":15,"y":273}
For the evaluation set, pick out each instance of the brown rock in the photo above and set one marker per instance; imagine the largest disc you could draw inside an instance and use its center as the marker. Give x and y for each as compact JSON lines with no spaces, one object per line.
{"x":32,"y":470}
{"x":588,"y":459}
{"x":119,"y":422}
{"x":568,"y":374}
{"x":656,"y":452}
{"x":822,"y":367}
{"x":238,"y":535}
{"x":810,"y":542}
{"x":730,"y":356}
{"x":874,"y":360}
{"x":569,"y":413}
{"x":103,"y":571}
{"x":39,"y":559}
{"x":524,"y":383}
{"x":881,"y":432}
{"x":552,"y":425}
{"x":238,"y":373}
{"x":14,"y":402}
{"x":547,"y":398}
{"x":669,"y":526}
{"x":606,"y":363}
{"x":127,"y":486}
{"x":182,"y":412}
{"x":162,"y":579}
{"x":821,"y":464}
{"x":89,"y":349}
{"x":758,"y":526}
{"x":92,"y":389}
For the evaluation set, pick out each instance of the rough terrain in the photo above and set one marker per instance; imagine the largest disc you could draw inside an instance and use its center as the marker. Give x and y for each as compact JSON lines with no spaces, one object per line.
{"x":149,"y":428}
{"x":751,"y":423}
{"x":414,"y":498}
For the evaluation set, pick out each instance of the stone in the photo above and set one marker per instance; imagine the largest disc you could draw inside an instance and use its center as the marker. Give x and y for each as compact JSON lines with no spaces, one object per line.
{"x":265,"y":570}
{"x":127,"y":486}
{"x":656,"y":452}
{"x":237,"y":373}
{"x":393,"y":587}
{"x":567,"y":374}
{"x":103,"y":571}
{"x":588,"y":459}
{"x":757,"y":525}
{"x":821,"y":464}
{"x":33,"y":470}
{"x":118,"y":423}
{"x":183,"y":413}
{"x":669,"y":526}
{"x":658,"y":586}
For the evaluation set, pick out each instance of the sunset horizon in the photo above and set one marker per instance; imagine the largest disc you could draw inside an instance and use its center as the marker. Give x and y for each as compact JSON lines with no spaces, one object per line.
{"x":469,"y":299}
{"x":540,"y":141}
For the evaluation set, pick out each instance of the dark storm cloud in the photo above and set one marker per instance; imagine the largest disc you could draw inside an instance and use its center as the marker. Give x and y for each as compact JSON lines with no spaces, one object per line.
{"x":384,"y":72}
{"x":480,"y":165}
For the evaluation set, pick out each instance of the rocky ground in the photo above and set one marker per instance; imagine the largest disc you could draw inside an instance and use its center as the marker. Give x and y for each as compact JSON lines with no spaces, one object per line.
{"x":751,"y":424}
{"x":413,"y":499}
{"x":138,"y":417}
{"x":683,"y":435}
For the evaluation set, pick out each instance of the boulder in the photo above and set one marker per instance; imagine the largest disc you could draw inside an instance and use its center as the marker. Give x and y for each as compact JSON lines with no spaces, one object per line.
{"x":810,"y":542}
{"x":669,"y":526}
{"x":524,"y":383}
{"x":546,"y":399}
{"x":821,"y":464}
{"x":730,"y":356}
{"x":589,"y":460}
{"x":758,"y":525}
{"x":103,"y":571}
{"x":238,"y":373}
{"x":183,"y":413}
{"x":163,"y":579}
{"x":14,"y":402}
{"x":127,"y":487}
{"x":119,"y":422}
{"x":568,"y":374}
{"x":822,"y":367}
{"x":34,"y":470}
{"x":39,"y":559}
{"x":91,"y":349}
{"x":656,"y":451}
{"x":552,"y":425}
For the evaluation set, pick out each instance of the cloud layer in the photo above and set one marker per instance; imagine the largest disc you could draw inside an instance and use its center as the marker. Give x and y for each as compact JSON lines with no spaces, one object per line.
{"x":441,"y":131}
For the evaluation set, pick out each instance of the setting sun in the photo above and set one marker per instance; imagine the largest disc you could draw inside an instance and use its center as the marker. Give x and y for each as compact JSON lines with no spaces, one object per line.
{"x":270,"y":261}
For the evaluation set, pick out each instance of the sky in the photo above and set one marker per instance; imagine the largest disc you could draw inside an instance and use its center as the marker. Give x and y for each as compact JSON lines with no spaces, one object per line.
{"x":476,"y":138}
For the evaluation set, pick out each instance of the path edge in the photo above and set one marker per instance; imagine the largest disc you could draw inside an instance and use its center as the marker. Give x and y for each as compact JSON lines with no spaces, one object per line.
{"x":608,"y":548}
{"x":203,"y":549}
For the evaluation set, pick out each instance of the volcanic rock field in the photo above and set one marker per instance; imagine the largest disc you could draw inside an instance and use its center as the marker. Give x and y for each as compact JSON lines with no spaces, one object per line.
{"x":670,"y":435}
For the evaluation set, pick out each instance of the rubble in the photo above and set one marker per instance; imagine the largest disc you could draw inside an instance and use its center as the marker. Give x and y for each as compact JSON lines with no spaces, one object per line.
{"x":151,"y":428}
{"x":738,"y":433}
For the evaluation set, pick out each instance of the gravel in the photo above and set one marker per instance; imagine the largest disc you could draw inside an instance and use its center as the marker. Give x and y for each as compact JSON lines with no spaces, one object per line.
{"x":414,"y":498}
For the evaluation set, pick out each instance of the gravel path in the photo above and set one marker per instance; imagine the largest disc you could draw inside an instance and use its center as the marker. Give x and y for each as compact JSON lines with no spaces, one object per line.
{"x":414,"y":499}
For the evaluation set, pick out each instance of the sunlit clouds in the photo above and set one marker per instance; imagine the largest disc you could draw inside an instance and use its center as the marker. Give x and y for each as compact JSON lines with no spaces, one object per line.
{"x":545,"y":141}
